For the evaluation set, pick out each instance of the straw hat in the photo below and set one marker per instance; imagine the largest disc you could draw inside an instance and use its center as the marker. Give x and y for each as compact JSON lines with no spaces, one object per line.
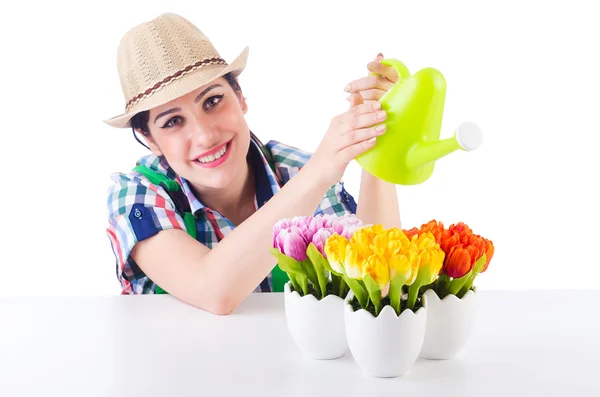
{"x":163,"y":59}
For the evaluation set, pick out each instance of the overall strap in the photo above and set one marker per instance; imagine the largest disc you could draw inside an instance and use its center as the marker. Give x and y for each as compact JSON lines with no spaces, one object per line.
{"x":182,"y":204}
{"x":174,"y":191}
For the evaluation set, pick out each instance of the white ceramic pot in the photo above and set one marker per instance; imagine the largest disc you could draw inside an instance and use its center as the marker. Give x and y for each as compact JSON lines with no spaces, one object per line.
{"x":387,"y":345}
{"x":316,"y":326}
{"x":449,"y":324}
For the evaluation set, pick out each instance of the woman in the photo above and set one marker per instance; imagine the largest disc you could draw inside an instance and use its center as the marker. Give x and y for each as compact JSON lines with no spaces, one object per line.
{"x":209,"y":179}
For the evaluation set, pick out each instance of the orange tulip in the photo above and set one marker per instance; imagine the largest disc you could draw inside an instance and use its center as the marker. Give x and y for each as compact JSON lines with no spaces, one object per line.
{"x":458,"y":262}
{"x":489,"y":252}
{"x":449,"y":239}
{"x":463,"y":230}
{"x":435,"y":227}
{"x":412,"y":232}
{"x":476,"y":247}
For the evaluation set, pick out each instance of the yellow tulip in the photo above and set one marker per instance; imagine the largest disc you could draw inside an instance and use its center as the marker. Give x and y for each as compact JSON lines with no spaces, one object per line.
{"x":376,"y":266}
{"x":335,"y":249}
{"x":405,"y":264}
{"x":432,"y":256}
{"x":396,"y":241}
{"x":353,"y":263}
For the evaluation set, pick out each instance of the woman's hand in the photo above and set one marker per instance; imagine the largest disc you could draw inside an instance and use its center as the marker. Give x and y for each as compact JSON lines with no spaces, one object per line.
{"x":372,"y":87}
{"x":349,"y":135}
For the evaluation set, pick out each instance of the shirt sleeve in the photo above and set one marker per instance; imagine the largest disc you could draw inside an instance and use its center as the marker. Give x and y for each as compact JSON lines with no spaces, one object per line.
{"x":137,"y":210}
{"x":337,"y":201}
{"x":290,"y":160}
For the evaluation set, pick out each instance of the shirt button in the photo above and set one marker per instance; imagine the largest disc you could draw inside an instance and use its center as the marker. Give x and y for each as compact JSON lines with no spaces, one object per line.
{"x":137,"y":213}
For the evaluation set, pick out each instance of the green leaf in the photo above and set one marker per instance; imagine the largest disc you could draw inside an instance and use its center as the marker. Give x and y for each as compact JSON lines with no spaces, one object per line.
{"x":287,"y":263}
{"x":456,"y":284}
{"x":295,"y":284}
{"x":478,"y":267}
{"x":396,"y":292}
{"x":325,"y":262}
{"x":374,"y":292}
{"x":359,"y":291}
{"x":319,"y":263}
{"x":303,"y":282}
{"x":309,"y":271}
{"x":441,"y":284}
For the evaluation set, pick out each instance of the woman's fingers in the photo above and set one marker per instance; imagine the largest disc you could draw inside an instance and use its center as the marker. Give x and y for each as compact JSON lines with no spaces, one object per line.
{"x":369,"y":83}
{"x":350,"y":152}
{"x":387,"y":72}
{"x":362,"y":116}
{"x":373,"y":95}
{"x":361,"y":135}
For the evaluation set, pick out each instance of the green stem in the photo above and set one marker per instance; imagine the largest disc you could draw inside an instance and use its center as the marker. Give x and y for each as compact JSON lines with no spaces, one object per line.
{"x":335,"y":284}
{"x":395,"y":293}
{"x":413,"y":291}
{"x":344,"y":289}
{"x":294,"y":283}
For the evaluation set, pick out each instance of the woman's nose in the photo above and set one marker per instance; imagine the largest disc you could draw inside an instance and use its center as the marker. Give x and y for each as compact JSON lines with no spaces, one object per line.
{"x":203,"y":133}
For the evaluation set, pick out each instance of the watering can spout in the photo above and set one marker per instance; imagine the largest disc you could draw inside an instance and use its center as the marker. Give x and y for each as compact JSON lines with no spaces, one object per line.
{"x":467,"y":137}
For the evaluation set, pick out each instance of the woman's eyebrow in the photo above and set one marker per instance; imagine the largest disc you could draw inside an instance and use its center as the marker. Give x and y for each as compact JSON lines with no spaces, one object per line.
{"x":166,"y":112}
{"x":199,"y":97}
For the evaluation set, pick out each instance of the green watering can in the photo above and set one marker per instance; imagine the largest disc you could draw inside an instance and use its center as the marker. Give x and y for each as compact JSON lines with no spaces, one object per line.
{"x":406,"y":153}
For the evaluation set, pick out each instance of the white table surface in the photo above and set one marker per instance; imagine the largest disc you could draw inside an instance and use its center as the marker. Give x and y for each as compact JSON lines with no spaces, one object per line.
{"x":524,"y":343}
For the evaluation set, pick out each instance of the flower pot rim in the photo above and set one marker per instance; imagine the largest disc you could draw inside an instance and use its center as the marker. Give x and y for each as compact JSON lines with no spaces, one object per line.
{"x":287,"y":290}
{"x":386,"y":308}
{"x":452,"y":296}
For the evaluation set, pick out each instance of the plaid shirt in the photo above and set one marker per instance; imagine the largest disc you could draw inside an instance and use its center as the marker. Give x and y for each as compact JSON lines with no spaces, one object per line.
{"x":132,"y":194}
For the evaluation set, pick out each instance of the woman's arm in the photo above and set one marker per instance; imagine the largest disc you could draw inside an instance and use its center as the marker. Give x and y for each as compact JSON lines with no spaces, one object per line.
{"x":377,"y":202}
{"x":218,"y":280}
{"x":377,"y":199}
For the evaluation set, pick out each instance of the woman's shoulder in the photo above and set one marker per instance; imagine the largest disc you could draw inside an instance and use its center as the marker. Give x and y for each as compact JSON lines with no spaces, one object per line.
{"x":140,"y":186}
{"x":152,"y":163}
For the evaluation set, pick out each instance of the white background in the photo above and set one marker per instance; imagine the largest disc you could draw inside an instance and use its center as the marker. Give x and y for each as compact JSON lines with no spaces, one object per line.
{"x":526,"y":72}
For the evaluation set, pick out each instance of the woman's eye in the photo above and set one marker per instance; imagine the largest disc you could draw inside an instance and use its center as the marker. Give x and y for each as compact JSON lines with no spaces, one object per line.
{"x":212,"y":102}
{"x":172,"y":122}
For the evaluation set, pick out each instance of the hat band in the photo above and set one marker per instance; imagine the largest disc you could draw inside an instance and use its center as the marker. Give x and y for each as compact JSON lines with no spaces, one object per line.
{"x":175,"y":76}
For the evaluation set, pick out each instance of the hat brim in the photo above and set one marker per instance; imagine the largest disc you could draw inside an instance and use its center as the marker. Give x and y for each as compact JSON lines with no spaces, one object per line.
{"x":179,"y":87}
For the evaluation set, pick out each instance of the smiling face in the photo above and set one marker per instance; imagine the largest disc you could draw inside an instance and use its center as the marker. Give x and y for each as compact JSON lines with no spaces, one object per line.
{"x":203,"y":135}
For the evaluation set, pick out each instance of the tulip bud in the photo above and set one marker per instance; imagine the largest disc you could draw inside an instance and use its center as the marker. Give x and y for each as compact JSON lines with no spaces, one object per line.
{"x":406,"y":264}
{"x":449,"y":239}
{"x":320,"y":238}
{"x":335,"y":252}
{"x":349,"y":230}
{"x":377,"y":267}
{"x":353,"y":263}
{"x":458,"y":262}
{"x":410,"y":233}
{"x":463,"y":230}
{"x":291,"y":242}
{"x":281,"y":224}
{"x":489,"y":252}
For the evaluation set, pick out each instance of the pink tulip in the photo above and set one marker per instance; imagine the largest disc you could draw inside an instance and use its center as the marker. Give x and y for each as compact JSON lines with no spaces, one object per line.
{"x":303,"y":222}
{"x":320,"y":238}
{"x":291,"y":242}
{"x":349,"y":230}
{"x":347,"y":220}
{"x":281,"y":224}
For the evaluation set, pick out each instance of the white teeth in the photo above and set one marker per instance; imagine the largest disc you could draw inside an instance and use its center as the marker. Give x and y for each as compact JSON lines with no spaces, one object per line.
{"x":213,"y":157}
